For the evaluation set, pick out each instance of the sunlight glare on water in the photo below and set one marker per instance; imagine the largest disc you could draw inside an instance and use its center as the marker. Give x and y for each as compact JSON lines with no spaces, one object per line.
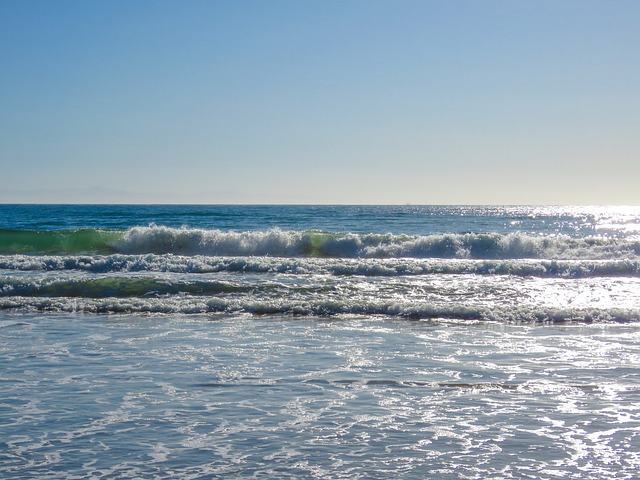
{"x":340,"y":399}
{"x":350,"y":342}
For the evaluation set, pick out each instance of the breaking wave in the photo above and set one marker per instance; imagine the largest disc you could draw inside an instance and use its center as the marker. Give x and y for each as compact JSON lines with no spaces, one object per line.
{"x":384,"y":267}
{"x":327,"y":308}
{"x":296,"y":244}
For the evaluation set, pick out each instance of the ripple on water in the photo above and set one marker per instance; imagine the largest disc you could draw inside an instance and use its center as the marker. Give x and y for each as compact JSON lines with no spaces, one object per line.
{"x":131,"y":396}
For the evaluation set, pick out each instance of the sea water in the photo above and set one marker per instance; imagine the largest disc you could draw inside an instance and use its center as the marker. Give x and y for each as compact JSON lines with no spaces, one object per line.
{"x":349,"y":342}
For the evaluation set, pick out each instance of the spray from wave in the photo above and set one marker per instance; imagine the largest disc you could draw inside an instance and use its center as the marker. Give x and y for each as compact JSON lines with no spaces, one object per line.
{"x":161,"y":240}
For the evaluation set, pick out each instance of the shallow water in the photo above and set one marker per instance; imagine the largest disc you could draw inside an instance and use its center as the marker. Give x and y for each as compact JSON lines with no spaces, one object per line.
{"x":319,"y":342}
{"x":266,"y":397}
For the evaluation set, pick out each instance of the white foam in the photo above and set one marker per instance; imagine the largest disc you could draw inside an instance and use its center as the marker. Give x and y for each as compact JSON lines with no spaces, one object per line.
{"x":316,"y":307}
{"x":280,"y":243}
{"x":332,"y":266}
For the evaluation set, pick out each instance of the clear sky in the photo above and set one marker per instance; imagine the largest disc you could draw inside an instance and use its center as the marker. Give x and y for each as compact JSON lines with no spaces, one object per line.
{"x":309,"y":101}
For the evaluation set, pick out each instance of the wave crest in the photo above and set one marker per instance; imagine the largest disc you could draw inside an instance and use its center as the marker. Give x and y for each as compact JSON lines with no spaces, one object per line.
{"x":315,"y":308}
{"x":280,"y":243}
{"x":161,"y":240}
{"x":388,"y":267}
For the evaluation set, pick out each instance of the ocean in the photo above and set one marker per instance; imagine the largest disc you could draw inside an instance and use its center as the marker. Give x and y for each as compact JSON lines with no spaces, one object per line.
{"x":328,"y":342}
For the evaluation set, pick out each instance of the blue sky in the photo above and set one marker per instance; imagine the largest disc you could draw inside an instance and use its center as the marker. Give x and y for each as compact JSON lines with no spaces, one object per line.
{"x":320,"y":101}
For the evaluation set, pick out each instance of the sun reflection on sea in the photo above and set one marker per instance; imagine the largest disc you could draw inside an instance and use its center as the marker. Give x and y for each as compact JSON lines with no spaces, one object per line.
{"x":621,"y":219}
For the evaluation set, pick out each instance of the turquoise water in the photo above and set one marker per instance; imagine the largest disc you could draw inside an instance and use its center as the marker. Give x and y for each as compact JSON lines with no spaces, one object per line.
{"x":319,"y":342}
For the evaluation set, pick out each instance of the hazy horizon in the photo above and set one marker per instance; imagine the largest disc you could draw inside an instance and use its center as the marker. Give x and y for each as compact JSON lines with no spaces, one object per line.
{"x":108,"y":196}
